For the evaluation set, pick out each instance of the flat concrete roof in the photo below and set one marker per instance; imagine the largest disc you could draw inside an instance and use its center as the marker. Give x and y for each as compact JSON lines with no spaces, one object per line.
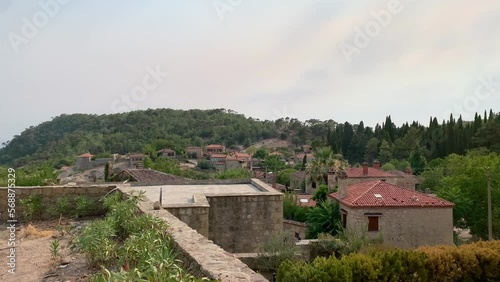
{"x":194,"y":194}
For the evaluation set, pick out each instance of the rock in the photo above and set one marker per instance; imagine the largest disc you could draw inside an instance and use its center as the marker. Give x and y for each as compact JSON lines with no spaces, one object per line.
{"x":156,"y":205}
{"x":66,"y":260}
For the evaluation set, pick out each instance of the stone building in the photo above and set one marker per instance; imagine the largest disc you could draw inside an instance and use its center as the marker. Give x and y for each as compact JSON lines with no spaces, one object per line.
{"x":194,"y":152}
{"x":237,"y":215}
{"x":166,"y":153}
{"x":401,"y":217}
{"x":215,"y":149}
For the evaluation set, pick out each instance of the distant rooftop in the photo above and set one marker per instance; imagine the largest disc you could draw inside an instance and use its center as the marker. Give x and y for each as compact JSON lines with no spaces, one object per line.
{"x":356,"y":172}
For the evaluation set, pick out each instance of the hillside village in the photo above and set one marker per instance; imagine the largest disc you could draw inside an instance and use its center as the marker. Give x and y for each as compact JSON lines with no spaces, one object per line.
{"x":308,"y":197}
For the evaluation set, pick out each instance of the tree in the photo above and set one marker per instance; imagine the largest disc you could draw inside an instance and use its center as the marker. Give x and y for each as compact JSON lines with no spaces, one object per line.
{"x":417,"y":161}
{"x":324,"y":218}
{"x":233,"y":174}
{"x":371,"y":151}
{"x":465,"y":184}
{"x":274,"y":163}
{"x":321,"y":194}
{"x":385,"y":153}
{"x":261,"y":153}
{"x":284,"y":176}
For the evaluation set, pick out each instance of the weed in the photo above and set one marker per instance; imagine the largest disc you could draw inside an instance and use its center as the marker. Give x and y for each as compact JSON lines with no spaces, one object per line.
{"x":54,"y":248}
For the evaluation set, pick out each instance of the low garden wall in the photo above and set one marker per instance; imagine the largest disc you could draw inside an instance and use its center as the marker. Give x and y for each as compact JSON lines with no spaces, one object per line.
{"x":44,"y":201}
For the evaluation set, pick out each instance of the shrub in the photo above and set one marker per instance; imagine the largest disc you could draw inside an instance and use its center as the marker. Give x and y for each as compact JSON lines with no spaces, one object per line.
{"x":84,"y":205}
{"x":279,"y":248}
{"x":31,"y":205}
{"x":472,"y":262}
{"x":62,"y":206}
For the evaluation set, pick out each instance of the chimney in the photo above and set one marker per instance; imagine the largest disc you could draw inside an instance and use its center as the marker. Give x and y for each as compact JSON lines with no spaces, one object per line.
{"x":365,"y":168}
{"x":408,"y":171}
{"x":376,"y":164}
{"x":342,"y":183}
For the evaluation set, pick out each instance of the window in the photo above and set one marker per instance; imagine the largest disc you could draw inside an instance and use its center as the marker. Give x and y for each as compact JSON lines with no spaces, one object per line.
{"x":373,"y":223}
{"x":344,"y":220}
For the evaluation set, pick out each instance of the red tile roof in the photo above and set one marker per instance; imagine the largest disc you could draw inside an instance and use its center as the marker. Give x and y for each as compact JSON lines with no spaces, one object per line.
{"x":306,"y":201}
{"x":86,"y":155}
{"x":378,"y":193}
{"x":355,"y":172}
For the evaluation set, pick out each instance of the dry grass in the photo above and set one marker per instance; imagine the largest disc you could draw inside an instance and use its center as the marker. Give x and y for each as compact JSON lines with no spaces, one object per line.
{"x":31,"y":232}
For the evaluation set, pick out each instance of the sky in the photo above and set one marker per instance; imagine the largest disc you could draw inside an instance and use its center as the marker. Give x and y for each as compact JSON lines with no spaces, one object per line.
{"x":341,"y":60}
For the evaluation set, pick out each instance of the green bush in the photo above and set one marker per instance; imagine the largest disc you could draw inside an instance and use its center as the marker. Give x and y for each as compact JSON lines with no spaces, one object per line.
{"x":31,"y":205}
{"x":472,"y":262}
{"x":84,"y":205}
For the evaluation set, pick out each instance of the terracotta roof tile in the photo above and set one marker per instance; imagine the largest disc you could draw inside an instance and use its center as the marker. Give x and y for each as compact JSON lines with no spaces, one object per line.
{"x":215,"y":146}
{"x":382,"y":194}
{"x":218,"y":156}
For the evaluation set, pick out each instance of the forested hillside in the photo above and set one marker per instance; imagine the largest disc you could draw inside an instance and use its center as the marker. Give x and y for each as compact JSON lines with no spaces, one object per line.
{"x":58,"y":141}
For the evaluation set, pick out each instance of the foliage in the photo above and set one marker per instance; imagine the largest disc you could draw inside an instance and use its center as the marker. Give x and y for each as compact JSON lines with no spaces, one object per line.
{"x":354,"y":241}
{"x":321,"y":193}
{"x":84,"y":205}
{"x":473,"y":262}
{"x":284,"y":176}
{"x":62,"y":206}
{"x":464,"y":183}
{"x":388,"y":167}
{"x":31,"y":205}
{"x":324,"y":218}
{"x":260,"y":153}
{"x":204,"y":164}
{"x":131,"y":247}
{"x":233,"y":174}
{"x":273,"y":163}
{"x":292,"y":211}
{"x":54,"y":248}
{"x":278,"y":248}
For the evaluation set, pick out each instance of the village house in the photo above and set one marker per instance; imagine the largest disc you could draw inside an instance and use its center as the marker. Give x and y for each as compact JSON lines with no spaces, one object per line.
{"x":166,"y":153}
{"x":194,"y":152}
{"x":135,"y":160}
{"x":307,"y":149}
{"x":401,"y":217}
{"x":215,"y":149}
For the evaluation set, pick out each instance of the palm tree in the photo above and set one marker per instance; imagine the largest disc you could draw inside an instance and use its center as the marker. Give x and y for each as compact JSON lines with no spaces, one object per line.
{"x":325,"y":161}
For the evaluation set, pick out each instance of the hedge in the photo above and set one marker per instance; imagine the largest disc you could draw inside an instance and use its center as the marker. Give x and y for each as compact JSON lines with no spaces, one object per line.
{"x":472,"y":262}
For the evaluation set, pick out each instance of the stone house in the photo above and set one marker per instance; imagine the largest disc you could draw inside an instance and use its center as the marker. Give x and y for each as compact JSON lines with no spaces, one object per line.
{"x":401,"y":217}
{"x":166,"y":153}
{"x":194,"y":152}
{"x":136,"y":160}
{"x":307,"y":149}
{"x":215,"y":149}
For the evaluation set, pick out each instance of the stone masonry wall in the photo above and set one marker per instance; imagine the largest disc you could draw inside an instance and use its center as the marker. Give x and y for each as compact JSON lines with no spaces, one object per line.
{"x":49,"y":196}
{"x":295,"y":227}
{"x":406,"y":227}
{"x":194,"y":217}
{"x":241,"y":223}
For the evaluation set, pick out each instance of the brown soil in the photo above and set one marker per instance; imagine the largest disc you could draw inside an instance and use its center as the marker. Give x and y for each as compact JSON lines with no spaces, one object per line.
{"x":34,"y":260}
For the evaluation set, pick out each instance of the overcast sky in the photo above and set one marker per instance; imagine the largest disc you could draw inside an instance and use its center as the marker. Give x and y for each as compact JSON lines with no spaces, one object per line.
{"x":340,"y":60}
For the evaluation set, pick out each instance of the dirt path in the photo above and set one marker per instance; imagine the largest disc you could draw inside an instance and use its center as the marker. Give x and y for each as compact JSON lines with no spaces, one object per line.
{"x":33,"y":259}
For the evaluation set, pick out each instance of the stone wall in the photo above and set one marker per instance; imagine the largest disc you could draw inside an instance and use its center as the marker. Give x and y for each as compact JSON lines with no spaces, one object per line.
{"x":295,"y":228}
{"x":201,"y":256}
{"x":195,"y":216}
{"x":49,"y":196}
{"x":242,"y":223}
{"x":406,"y":227}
